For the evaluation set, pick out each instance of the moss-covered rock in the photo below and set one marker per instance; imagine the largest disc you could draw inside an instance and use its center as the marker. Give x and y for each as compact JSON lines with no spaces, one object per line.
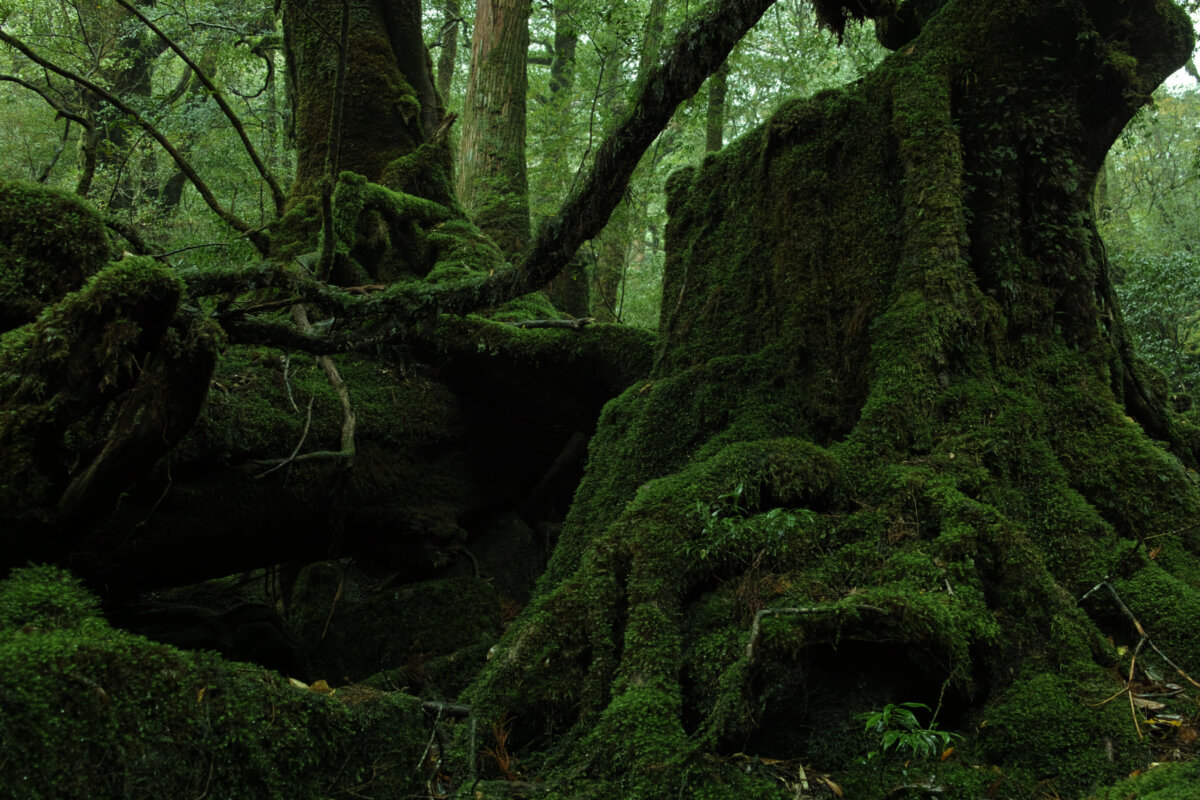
{"x":50,"y":242}
{"x":89,"y":711}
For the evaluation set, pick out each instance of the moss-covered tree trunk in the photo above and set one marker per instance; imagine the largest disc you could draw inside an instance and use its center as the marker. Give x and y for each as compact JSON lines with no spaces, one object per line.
{"x":570,"y":291}
{"x":493,"y":184}
{"x":893,"y":436}
{"x":389,"y":106}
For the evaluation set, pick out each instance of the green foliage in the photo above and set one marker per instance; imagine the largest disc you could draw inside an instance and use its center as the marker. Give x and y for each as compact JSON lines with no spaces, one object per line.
{"x":1160,"y":298}
{"x":732,"y":531}
{"x":1146,"y":200}
{"x":899,"y":729}
{"x":45,"y":597}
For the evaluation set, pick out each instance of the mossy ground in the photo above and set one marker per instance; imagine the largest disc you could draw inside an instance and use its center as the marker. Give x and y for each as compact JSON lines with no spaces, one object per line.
{"x":89,"y":711}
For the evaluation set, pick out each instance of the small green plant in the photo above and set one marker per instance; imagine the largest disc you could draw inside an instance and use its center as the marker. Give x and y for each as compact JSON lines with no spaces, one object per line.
{"x":899,"y":729}
{"x":734,"y":531}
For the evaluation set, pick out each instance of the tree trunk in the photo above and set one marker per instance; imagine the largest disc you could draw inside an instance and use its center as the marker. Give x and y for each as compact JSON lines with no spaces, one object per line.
{"x":451,"y":22}
{"x":714,"y":124}
{"x":608,"y":276}
{"x":893,"y":437}
{"x":570,"y":291}
{"x":390,"y":105}
{"x":492,"y":181}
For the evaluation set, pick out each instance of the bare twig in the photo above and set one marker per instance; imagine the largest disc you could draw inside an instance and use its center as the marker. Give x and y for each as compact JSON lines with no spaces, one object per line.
{"x":303,"y":435}
{"x":432,"y":736}
{"x":1142,"y":633}
{"x":300,"y":316}
{"x":337,"y":596}
{"x":287,"y":383}
{"x":573,"y":324}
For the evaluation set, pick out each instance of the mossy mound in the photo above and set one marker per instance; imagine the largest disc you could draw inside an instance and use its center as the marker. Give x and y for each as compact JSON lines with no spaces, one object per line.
{"x":102,"y":384}
{"x":89,"y":711}
{"x":50,"y":242}
{"x":1163,"y":782}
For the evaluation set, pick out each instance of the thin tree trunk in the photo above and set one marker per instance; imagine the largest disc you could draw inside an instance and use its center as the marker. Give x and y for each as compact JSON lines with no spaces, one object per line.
{"x":570,"y":291}
{"x":451,"y":22}
{"x":714,"y":128}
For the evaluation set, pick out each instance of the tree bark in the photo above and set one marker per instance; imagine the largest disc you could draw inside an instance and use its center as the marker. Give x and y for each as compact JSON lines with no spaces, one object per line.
{"x":451,"y":22}
{"x":570,"y":290}
{"x":493,"y":183}
{"x":714,"y":124}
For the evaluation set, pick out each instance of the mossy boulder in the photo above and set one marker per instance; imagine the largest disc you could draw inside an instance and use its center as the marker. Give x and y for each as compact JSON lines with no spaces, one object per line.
{"x":50,"y":242}
{"x":89,"y":711}
{"x":98,"y":388}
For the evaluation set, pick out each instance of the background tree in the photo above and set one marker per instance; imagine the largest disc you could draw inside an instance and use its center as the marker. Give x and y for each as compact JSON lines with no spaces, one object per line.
{"x":1148,"y":215}
{"x":492,"y":181}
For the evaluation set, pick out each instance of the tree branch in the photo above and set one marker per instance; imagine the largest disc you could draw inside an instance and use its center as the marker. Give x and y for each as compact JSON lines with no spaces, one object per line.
{"x":696,"y":53}
{"x":276,"y":192}
{"x":229,"y":217}
{"x":59,"y":108}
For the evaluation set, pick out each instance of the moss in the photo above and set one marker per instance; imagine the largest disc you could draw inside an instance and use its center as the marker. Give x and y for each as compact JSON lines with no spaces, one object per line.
{"x":259,"y":402}
{"x":51,"y":242}
{"x":89,"y":711}
{"x":1062,"y":733}
{"x":1164,"y":782}
{"x":431,"y":636}
{"x":460,"y":250}
{"x":1167,"y":606}
{"x":425,"y":172}
{"x":64,"y":375}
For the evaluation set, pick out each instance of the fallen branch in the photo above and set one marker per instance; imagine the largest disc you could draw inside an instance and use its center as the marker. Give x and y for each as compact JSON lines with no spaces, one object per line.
{"x":573,"y":324}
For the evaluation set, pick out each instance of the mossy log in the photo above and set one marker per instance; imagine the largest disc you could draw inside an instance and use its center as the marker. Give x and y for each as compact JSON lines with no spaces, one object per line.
{"x":893,"y":407}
